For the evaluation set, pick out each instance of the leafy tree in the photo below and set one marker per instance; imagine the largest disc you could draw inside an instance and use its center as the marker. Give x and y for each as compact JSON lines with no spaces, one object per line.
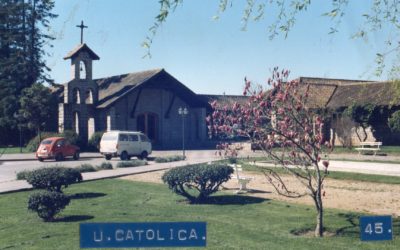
{"x":394,"y":122}
{"x":23,"y":27}
{"x":290,"y":133}
{"x":381,"y":14}
{"x":364,"y":116}
{"x":35,"y":106}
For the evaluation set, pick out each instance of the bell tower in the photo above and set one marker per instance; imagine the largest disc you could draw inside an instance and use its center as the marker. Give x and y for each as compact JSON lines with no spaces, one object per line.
{"x":77,"y":112}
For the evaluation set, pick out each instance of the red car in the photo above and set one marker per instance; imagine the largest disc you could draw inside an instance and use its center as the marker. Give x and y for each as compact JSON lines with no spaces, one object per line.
{"x":56,"y":148}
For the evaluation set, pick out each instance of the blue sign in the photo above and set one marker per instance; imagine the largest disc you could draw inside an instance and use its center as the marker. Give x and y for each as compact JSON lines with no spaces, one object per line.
{"x":147,"y":234}
{"x":374,"y":228}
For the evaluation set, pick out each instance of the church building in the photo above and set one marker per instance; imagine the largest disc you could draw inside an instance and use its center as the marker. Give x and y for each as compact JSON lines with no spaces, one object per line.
{"x":146,"y":101}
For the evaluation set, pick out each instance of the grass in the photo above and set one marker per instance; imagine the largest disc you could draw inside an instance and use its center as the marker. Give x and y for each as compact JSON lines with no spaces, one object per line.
{"x":14,"y":150}
{"x":388,"y":150}
{"x":233,"y":222}
{"x":335,"y":175}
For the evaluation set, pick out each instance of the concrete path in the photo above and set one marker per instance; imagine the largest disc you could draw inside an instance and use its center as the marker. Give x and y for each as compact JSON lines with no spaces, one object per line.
{"x":201,"y":156}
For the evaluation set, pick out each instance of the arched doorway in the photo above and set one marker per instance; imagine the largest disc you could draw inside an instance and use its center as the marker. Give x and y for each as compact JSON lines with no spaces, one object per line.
{"x":91,"y":127}
{"x":148,"y":124}
{"x":76,"y":122}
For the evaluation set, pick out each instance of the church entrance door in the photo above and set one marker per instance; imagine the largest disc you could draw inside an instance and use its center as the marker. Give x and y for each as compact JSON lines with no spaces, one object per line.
{"x":148,"y":124}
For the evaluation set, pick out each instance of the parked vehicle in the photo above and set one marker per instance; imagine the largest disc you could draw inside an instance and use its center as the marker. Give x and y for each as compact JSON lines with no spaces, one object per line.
{"x":125,"y":144}
{"x":57,"y":148}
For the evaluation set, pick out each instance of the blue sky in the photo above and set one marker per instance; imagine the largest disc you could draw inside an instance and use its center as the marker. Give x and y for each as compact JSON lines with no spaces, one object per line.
{"x":209,"y":56}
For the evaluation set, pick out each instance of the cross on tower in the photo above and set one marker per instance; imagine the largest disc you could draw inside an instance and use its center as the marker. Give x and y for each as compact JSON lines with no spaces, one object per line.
{"x":81,"y":27}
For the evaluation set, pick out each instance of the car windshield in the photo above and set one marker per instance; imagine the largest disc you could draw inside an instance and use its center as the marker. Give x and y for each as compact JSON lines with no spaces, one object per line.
{"x":46,"y":142}
{"x":109,"y":137}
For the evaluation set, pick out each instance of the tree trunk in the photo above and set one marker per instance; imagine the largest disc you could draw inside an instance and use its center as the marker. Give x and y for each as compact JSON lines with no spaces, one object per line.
{"x":319,"y":229}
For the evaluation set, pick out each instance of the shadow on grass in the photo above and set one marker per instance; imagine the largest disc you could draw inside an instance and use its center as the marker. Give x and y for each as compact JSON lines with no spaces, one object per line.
{"x":73,"y":218}
{"x":86,"y":195}
{"x":234,"y":200}
{"x":352,"y":230}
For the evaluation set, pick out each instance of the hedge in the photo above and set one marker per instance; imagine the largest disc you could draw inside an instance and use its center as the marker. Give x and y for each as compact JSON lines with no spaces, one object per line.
{"x":47,"y":203}
{"x":53,"y":178}
{"x":197,"y":182}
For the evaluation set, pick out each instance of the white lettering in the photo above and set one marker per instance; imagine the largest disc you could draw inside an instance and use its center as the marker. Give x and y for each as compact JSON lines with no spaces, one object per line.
{"x":129,"y":235}
{"x":158,"y":236}
{"x":119,"y":235}
{"x":150,"y":234}
{"x":96,"y":239}
{"x":193,"y":235}
{"x":171,"y":231}
{"x":140,"y":234}
{"x":180,"y":237}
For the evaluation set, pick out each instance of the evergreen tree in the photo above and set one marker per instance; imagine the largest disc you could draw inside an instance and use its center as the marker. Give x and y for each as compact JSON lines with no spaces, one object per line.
{"x":22,"y":39}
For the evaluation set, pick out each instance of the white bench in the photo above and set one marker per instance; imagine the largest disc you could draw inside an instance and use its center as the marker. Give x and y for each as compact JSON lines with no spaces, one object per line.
{"x":242,"y":181}
{"x":369,"y":146}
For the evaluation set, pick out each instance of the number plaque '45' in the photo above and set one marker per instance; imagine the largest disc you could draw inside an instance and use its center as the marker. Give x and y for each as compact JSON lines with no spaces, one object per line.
{"x":376,"y":228}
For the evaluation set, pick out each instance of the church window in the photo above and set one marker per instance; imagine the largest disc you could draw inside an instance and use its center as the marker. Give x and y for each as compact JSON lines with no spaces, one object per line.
{"x":82,"y":70}
{"x":76,"y":122}
{"x":89,"y":96}
{"x":76,"y":96}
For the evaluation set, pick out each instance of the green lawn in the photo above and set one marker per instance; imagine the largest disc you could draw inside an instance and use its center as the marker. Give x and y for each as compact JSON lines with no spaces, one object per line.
{"x":335,"y":174}
{"x":388,"y":150}
{"x":233,"y":222}
{"x":13,"y":150}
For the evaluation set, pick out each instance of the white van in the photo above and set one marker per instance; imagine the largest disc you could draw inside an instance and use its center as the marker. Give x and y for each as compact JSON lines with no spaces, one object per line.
{"x":125,"y":144}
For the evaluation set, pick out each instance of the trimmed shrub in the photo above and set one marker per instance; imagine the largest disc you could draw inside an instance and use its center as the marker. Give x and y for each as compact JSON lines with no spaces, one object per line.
{"x":105,"y":165}
{"x":197,"y":182}
{"x":131,"y":163}
{"x":84,"y":168}
{"x":169,"y":158}
{"x":53,"y":178}
{"x":23,"y":175}
{"x":47,"y":203}
{"x":94,"y":142}
{"x":33,"y":144}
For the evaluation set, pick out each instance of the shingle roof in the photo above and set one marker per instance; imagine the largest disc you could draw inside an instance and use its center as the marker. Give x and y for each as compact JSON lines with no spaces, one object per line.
{"x":225,"y":99}
{"x":79,"y":48}
{"x":376,"y":93}
{"x":114,"y":87}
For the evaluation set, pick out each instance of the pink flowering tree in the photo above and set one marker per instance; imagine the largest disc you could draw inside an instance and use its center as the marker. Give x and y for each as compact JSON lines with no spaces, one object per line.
{"x":276,"y":119}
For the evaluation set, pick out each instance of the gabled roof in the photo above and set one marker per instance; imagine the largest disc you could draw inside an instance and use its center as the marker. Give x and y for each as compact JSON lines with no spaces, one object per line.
{"x":225,"y":99}
{"x":376,"y":93}
{"x":82,"y":47}
{"x":339,"y":93}
{"x":113,"y":88}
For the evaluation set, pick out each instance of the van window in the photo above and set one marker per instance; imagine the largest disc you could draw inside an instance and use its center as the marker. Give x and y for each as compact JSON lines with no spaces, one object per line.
{"x":109,"y":137}
{"x":123,"y":137}
{"x":144,"y":138}
{"x":133,"y":138}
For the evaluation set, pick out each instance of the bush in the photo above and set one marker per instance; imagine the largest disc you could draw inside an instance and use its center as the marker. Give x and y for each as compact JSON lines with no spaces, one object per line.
{"x":23,"y":175}
{"x":94,"y":142}
{"x":203,"y":180}
{"x":169,"y":158}
{"x":33,"y":144}
{"x":131,"y":163}
{"x":84,"y":168}
{"x":73,"y":138}
{"x":394,"y":122}
{"x":105,"y":165}
{"x":54,"y":178}
{"x":47,"y":203}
